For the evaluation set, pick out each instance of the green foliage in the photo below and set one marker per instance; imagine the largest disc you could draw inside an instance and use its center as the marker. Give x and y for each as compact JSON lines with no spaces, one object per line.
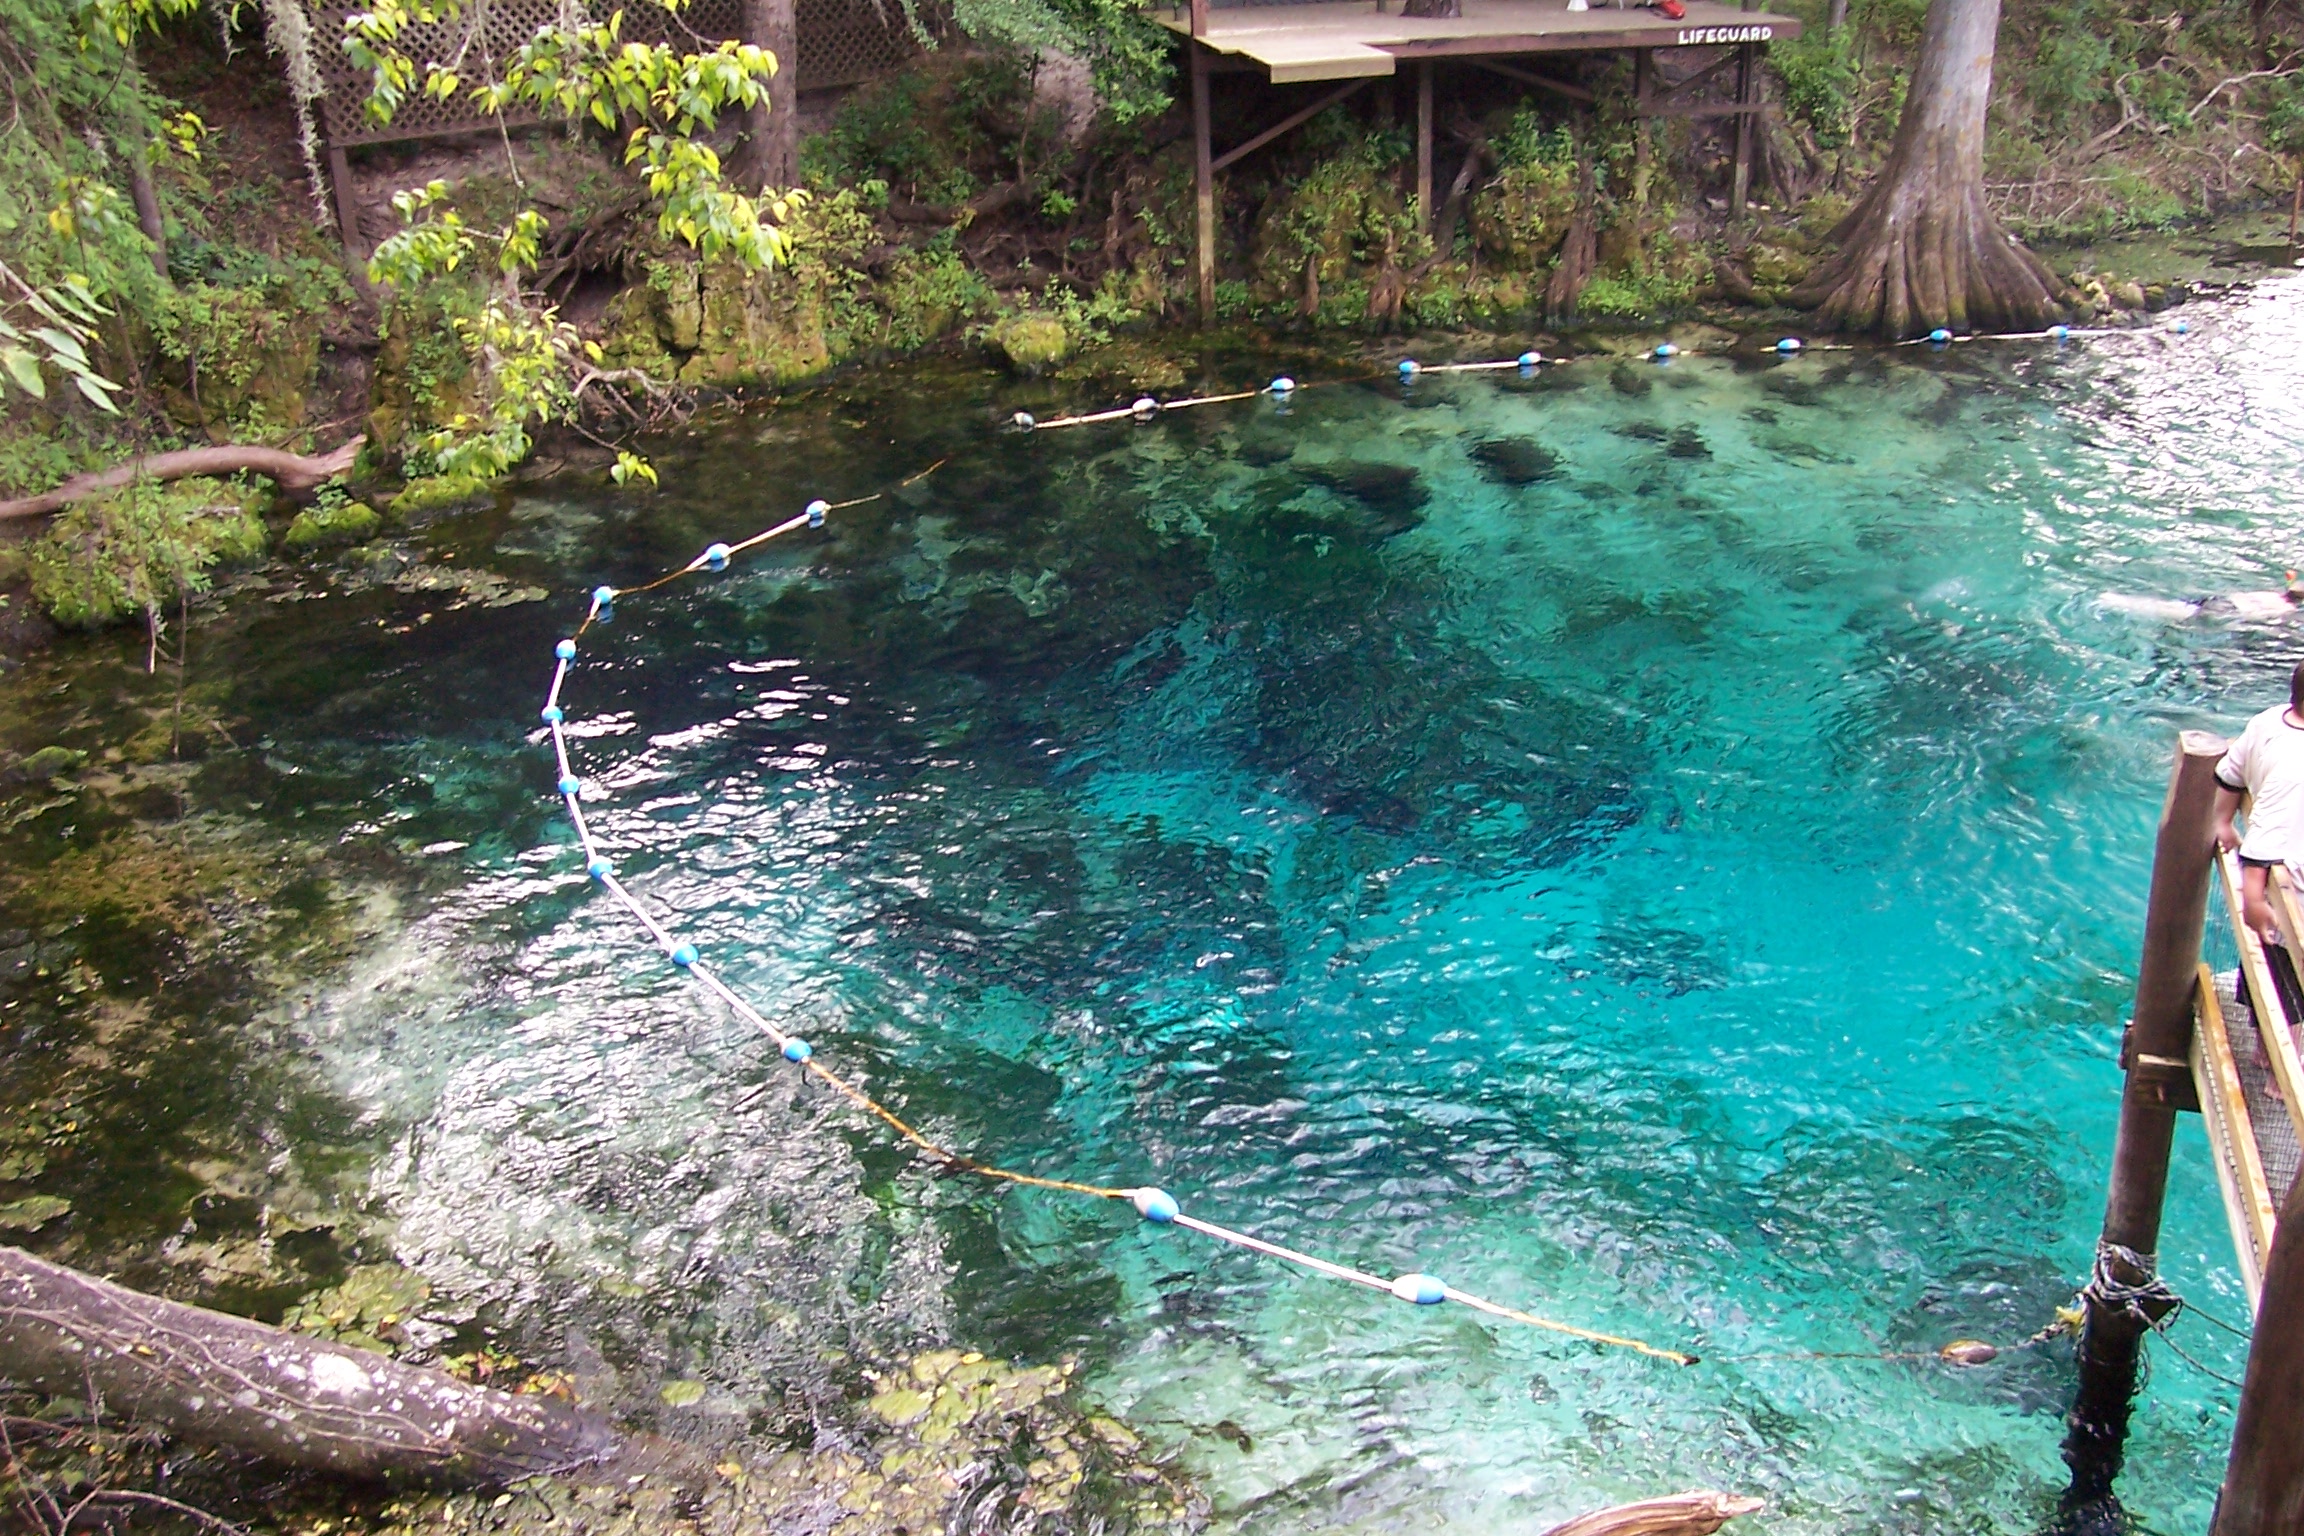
{"x":1820,"y":79}
{"x":1342,"y":213}
{"x":1127,"y":51}
{"x":2284,"y":118}
{"x":2071,"y":67}
{"x":135,"y":553}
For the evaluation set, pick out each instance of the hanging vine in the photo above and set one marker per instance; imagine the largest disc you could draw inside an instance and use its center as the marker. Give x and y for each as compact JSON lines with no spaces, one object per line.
{"x":288,"y":35}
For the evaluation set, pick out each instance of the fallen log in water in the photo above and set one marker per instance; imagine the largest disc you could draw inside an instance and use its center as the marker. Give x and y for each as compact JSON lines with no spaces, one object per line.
{"x":1682,"y":1514}
{"x":293,"y":472}
{"x":304,"y":1402}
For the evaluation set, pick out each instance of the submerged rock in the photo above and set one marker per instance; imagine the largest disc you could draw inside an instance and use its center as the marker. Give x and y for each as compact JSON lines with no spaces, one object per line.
{"x":1687,"y":443}
{"x":1515,"y":460}
{"x":1264,"y":452}
{"x":1626,"y":379}
{"x":1641,"y":431}
{"x":1393,"y":495}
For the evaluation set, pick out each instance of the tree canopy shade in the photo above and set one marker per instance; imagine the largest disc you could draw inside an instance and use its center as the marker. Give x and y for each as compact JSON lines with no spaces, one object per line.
{"x":1923,"y":249}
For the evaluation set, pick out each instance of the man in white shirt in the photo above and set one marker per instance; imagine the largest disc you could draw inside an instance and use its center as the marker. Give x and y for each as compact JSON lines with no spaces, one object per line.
{"x":2266,"y":764}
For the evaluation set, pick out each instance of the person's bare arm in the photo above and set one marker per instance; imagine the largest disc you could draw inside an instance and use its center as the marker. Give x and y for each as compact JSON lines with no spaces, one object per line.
{"x":2255,"y":906}
{"x":2227,"y":807}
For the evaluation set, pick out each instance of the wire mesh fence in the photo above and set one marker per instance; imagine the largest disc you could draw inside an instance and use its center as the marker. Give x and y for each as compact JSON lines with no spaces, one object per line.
{"x":841,"y":42}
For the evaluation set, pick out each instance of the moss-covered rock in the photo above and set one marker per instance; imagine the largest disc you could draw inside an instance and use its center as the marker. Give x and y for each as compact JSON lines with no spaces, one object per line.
{"x":51,"y":761}
{"x":1032,"y":343}
{"x":318,"y":526}
{"x":139,"y":550}
{"x":421,"y":498}
{"x":423,"y":378}
{"x":1339,"y":216}
{"x":241,"y":357}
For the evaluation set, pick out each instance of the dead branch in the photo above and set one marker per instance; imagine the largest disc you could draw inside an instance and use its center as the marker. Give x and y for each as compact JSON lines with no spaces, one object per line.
{"x":296,"y":1400}
{"x":1682,"y":1514}
{"x":294,"y":472}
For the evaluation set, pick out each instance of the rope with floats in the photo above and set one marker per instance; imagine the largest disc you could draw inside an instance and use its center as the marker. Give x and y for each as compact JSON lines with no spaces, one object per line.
{"x":1153,"y":1204}
{"x":1283,"y":388}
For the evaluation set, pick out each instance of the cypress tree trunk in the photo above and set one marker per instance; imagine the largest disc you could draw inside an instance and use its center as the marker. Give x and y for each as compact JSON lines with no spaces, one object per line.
{"x":772,"y":129}
{"x":1922,"y":249}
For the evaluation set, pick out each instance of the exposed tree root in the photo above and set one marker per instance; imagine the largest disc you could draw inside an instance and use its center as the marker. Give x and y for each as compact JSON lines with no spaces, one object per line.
{"x":294,"y":472}
{"x":1922,"y":249}
{"x":1910,"y":262}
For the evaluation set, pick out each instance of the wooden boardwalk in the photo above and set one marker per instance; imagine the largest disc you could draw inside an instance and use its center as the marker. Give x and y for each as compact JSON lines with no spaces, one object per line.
{"x":1355,"y":39}
{"x":2246,"y":1071}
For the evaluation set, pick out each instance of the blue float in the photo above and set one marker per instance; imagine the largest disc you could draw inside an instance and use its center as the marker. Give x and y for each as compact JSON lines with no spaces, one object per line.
{"x":1145,"y":408}
{"x":570,"y":784}
{"x":1155,"y":1204}
{"x":797,"y":1050}
{"x":2182,"y":327}
{"x":1788,"y":345}
{"x":1282,"y":386}
{"x":2059,"y":333}
{"x":1409,"y":368}
{"x":684,"y":956}
{"x":1665,"y":352}
{"x":1423,"y":1290}
{"x":603,"y":597}
{"x":1529,"y":360}
{"x":1022,"y":421}
{"x":1939,"y":336}
{"x":716,"y":557}
{"x":600,"y":870}
{"x":552,"y":714}
{"x":816,"y":511}
{"x":565,"y":650}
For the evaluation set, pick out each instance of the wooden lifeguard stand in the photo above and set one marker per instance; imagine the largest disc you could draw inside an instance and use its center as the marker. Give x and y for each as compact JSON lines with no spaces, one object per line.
{"x":1355,"y":41}
{"x":2224,"y":1045}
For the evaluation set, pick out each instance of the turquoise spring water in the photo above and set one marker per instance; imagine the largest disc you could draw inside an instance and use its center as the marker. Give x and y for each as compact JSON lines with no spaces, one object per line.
{"x":1677,"y":868}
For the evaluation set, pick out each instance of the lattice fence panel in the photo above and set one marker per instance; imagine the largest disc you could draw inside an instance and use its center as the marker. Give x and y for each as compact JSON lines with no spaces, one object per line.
{"x":842,"y":42}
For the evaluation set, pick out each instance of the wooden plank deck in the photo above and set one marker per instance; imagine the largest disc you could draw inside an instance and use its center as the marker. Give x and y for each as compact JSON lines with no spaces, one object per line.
{"x":1351,"y":39}
{"x":2246,"y":1072}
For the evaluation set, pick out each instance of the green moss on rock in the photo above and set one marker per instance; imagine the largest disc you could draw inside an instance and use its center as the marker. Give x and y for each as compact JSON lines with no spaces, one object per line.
{"x":349,"y":523}
{"x":437,"y":493}
{"x":140,"y":550}
{"x":1032,"y":343}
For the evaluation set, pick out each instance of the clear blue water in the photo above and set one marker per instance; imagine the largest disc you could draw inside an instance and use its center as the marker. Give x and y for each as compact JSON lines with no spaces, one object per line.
{"x":1693,"y":894}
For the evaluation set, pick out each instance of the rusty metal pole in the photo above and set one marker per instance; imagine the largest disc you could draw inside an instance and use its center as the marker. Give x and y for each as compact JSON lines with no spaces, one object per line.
{"x":1203,"y":178}
{"x":2153,"y":1053}
{"x":2264,"y":1479}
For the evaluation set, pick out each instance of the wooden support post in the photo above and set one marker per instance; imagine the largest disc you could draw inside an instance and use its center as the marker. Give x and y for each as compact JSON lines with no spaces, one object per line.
{"x":1199,"y":19}
{"x":1643,"y":72}
{"x":1424,"y":146}
{"x":2264,"y":1478}
{"x":1747,"y":79}
{"x":2161,"y":1028}
{"x":1203,"y":179}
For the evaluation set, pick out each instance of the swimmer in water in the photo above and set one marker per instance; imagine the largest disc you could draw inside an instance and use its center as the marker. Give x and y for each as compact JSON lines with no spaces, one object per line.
{"x":2275,"y":604}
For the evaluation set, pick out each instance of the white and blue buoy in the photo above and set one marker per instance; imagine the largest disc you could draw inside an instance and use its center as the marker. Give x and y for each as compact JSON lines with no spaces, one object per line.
{"x":1023,"y":421}
{"x":1145,"y":408}
{"x":1424,"y":1290}
{"x":816,"y":510}
{"x":1788,"y":345}
{"x":1281,"y":387}
{"x":684,"y":955}
{"x":1155,"y":1204}
{"x":565,"y":650}
{"x":603,"y":603}
{"x":600,"y":870}
{"x":2059,"y":333}
{"x":1665,"y":352}
{"x":1529,"y":360}
{"x":797,"y":1050}
{"x":716,"y":557}
{"x":1409,"y":368}
{"x":552,"y":714}
{"x":1939,"y":336}
{"x":571,"y":785}
{"x":2182,"y":327}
